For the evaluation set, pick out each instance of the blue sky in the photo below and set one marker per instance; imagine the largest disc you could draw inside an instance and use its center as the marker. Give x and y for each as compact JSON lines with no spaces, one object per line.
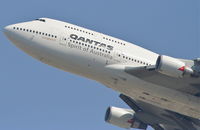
{"x":35,"y":96}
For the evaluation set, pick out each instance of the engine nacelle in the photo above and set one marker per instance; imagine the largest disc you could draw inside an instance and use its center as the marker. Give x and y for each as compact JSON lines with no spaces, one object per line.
{"x":172,"y":67}
{"x":123,"y":118}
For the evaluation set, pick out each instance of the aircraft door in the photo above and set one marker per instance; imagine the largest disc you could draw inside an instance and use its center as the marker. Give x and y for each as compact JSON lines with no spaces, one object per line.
{"x":63,"y":41}
{"x":117,"y":56}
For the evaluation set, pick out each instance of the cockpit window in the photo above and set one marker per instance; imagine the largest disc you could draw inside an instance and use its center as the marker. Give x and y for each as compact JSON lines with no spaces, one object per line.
{"x":42,"y":20}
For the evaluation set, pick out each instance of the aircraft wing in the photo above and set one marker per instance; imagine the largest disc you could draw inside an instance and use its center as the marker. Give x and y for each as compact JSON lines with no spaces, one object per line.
{"x":186,"y":84}
{"x":190,"y":85}
{"x":158,"y":118}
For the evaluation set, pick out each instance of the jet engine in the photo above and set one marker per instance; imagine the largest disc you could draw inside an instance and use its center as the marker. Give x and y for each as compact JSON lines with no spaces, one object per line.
{"x":172,"y":67}
{"x":123,"y":118}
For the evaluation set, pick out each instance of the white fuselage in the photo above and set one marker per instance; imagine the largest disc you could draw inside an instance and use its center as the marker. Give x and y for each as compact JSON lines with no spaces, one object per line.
{"x":95,"y":56}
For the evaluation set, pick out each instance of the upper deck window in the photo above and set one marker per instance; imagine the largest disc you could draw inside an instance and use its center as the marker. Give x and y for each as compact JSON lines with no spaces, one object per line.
{"x":42,"y":20}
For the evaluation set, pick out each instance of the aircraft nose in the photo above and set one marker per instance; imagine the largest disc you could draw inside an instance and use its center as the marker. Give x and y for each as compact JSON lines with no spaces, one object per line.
{"x":11,"y":34}
{"x":7,"y":30}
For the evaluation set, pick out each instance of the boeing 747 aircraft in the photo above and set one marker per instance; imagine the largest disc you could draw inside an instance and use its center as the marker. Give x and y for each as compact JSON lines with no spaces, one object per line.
{"x":162,"y":91}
